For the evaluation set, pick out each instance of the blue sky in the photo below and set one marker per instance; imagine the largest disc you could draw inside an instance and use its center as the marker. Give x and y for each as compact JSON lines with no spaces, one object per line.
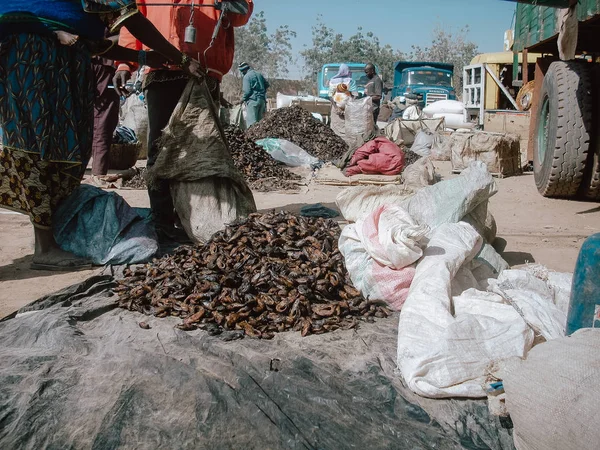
{"x":400,"y":23}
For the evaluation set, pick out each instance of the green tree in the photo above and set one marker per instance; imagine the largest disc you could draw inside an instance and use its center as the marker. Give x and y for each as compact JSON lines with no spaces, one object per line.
{"x":269,"y":53}
{"x":448,"y":47}
{"x":329,"y":46}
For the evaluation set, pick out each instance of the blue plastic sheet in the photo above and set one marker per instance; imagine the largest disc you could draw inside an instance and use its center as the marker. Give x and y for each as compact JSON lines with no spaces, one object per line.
{"x":318,"y":210}
{"x":101,"y":226}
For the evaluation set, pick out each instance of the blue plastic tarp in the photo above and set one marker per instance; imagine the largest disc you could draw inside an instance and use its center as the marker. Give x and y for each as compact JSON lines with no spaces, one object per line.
{"x":101,"y":226}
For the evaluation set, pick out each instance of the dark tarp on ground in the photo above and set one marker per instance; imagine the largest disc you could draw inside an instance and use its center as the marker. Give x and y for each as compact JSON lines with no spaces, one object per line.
{"x":77,"y":372}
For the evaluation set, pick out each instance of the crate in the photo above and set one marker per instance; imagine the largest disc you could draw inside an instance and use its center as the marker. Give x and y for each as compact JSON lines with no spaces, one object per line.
{"x":123,"y":156}
{"x":515,"y":122}
{"x":499,"y":151}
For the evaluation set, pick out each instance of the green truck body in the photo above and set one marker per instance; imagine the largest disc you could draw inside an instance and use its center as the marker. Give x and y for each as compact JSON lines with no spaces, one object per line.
{"x":564,"y":139}
{"x":536,"y":24}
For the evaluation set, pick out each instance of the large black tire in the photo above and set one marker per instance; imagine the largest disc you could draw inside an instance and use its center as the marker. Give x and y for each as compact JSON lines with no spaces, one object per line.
{"x":564,"y":121}
{"x":590,"y":186}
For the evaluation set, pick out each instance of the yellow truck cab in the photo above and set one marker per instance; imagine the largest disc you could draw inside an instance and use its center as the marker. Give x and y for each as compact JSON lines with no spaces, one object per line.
{"x":501,"y":64}
{"x":489,"y":94}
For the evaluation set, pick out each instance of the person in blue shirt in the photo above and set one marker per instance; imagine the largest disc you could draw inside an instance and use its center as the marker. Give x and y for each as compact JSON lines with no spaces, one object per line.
{"x":254,"y":93}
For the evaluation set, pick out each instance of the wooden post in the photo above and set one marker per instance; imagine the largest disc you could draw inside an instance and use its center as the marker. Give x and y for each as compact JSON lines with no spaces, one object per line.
{"x":525,"y":66}
{"x":500,"y":85}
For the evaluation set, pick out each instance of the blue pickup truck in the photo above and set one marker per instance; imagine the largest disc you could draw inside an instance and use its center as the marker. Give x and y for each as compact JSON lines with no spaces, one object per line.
{"x":328,"y":71}
{"x":431,"y":80}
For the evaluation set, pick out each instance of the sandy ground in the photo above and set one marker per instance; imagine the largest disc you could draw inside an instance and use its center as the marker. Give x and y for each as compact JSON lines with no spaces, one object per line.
{"x":530,"y":229}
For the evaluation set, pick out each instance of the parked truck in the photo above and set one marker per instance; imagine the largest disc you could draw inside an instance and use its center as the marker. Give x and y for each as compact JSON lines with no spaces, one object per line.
{"x":430,"y":80}
{"x":564,"y":142}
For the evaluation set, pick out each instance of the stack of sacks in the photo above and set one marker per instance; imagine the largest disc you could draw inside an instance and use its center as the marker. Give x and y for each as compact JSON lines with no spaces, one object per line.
{"x":453,"y":112}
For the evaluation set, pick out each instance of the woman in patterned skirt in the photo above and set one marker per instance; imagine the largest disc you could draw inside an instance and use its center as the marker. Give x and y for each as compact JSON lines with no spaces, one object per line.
{"x":46,"y":102}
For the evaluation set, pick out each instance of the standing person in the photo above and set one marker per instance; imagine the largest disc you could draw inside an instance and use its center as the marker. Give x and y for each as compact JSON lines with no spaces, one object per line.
{"x":46,"y":102}
{"x":374,"y":89}
{"x":163,"y":87}
{"x":254,"y":93}
{"x":106,"y":116}
{"x":342,"y":77}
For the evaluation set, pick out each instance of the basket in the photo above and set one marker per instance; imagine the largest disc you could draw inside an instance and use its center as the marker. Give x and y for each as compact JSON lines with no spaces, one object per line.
{"x":123,"y":156}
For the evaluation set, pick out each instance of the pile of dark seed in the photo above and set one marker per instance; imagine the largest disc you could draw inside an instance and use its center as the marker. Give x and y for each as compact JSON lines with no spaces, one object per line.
{"x":138,"y":181}
{"x":409,"y":157}
{"x":261,"y":171}
{"x":266,"y":274}
{"x":300,"y":127}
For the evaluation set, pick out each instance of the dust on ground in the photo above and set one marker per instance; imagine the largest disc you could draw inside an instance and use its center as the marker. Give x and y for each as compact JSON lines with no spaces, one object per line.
{"x":531,"y":229}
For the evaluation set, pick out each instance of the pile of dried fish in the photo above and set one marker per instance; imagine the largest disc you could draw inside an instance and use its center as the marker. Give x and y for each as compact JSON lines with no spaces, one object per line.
{"x":409,"y":157}
{"x":261,"y":171}
{"x":300,"y":127}
{"x":266,"y":274}
{"x":138,"y":181}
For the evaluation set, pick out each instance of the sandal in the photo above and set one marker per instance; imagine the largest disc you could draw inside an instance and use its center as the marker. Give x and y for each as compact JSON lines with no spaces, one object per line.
{"x":71,"y":266}
{"x":58,"y":268}
{"x":103,"y":181}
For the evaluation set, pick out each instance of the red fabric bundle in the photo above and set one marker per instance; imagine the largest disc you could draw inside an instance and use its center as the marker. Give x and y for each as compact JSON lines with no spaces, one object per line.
{"x":377,"y":157}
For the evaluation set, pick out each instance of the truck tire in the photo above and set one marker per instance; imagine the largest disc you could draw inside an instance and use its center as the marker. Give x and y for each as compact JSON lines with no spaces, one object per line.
{"x":562,"y":143}
{"x":590,"y":186}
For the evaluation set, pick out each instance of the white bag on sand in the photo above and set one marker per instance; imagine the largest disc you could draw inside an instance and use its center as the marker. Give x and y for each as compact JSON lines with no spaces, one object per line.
{"x":453,"y":335}
{"x":444,"y":107}
{"x":419,"y":174}
{"x":379,"y":251}
{"x":359,"y":119}
{"x":535,"y":299}
{"x":403,"y":132}
{"x":553,"y":395}
{"x":450,"y":200}
{"x":337,"y":123}
{"x":447,"y":346}
{"x":411,"y":113}
{"x":455,"y":121}
{"x":358,"y":201}
{"x":423,"y":142}
{"x":207,"y":205}
{"x":284,"y":101}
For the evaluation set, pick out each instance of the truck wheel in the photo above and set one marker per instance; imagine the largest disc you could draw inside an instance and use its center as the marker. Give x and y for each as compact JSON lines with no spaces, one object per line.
{"x":564,"y":115}
{"x":590,"y":186}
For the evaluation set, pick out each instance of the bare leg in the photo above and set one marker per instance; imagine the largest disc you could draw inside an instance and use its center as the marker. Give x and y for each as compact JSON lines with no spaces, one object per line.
{"x":48,"y":255}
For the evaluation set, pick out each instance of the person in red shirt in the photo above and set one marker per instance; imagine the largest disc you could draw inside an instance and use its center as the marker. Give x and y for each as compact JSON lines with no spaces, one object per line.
{"x":163,"y":87}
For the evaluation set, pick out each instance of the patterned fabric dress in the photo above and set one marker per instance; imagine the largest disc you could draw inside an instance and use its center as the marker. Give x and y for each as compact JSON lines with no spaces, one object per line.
{"x":46,"y":110}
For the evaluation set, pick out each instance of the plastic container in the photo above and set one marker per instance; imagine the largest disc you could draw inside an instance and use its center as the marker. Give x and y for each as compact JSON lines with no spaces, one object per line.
{"x":584,"y":307}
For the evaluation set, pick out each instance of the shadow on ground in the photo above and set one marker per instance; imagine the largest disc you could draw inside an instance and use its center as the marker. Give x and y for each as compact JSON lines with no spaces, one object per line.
{"x":512,"y":258}
{"x":19,"y":270}
{"x":590,"y":211}
{"x":518,"y":258}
